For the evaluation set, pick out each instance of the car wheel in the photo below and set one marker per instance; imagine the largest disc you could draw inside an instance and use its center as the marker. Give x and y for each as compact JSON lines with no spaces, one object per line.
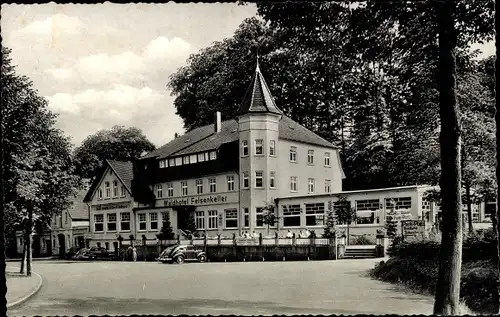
{"x":179,"y":259}
{"x":202,"y":258}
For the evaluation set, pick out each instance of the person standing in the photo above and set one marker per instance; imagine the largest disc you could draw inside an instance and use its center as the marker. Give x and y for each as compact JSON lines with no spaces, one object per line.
{"x":134,"y":254}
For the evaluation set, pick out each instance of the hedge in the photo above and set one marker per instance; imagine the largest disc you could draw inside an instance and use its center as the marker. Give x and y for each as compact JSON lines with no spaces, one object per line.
{"x":416,"y":265}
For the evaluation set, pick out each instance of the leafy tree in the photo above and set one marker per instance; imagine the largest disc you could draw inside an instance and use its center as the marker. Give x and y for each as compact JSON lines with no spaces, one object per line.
{"x":191,"y":224}
{"x":330,"y":229}
{"x":166,"y":232}
{"x":37,"y":179}
{"x":269,"y":217}
{"x":118,"y":143}
{"x":345,"y":213}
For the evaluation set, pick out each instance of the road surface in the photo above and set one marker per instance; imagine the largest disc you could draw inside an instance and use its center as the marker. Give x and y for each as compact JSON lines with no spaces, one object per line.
{"x":243,"y":288}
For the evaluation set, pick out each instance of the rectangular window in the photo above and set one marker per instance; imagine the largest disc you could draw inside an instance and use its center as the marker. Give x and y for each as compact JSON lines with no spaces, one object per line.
{"x":291,"y":216}
{"x":201,"y":157}
{"x":272,"y":180}
{"x":159,"y":191}
{"x":122,"y":191}
{"x":206,"y":156}
{"x":293,"y":154}
{"x":184,"y":188}
{"x":111,"y":222}
{"x":367,"y":211}
{"x":230,"y":183}
{"x":171,"y":162}
{"x":178,"y":161}
{"x":328,"y":186}
{"x":98,"y":223}
{"x":170,"y":190}
{"x":272,"y":148}
{"x":213,"y":155}
{"x":115,"y":189}
{"x":192,"y":159}
{"x":199,"y":186}
{"x":213,"y":184}
{"x":246,"y":215}
{"x":310,"y":185}
{"x":142,"y":221}
{"x":259,"y":179}
{"x":315,"y":214}
{"x":231,"y":218}
{"x":246,"y":182}
{"x":200,"y":219}
{"x":66,"y":217}
{"x":185,"y":160}
{"x":244,"y":148}
{"x":99,"y":194}
{"x":212,"y":219}
{"x":259,"y":214}
{"x":108,"y":189}
{"x":162,"y":163}
{"x":153,"y":221}
{"x":259,"y":147}
{"x":399,"y":203}
{"x":293,"y":183}
{"x":327,"y":159}
{"x":125,"y":221}
{"x":310,"y":157}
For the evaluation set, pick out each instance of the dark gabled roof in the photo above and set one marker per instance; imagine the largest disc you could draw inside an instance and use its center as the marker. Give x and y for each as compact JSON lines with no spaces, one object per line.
{"x":78,"y":209}
{"x":258,"y":98}
{"x":204,"y":139}
{"x":124,"y":171}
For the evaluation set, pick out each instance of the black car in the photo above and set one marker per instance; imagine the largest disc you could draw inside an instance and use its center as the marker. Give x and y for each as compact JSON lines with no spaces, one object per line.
{"x":180,"y":253}
{"x":95,"y":253}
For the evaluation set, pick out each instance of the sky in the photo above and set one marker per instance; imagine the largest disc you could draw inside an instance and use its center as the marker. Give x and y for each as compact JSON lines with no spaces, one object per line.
{"x":108,"y":64}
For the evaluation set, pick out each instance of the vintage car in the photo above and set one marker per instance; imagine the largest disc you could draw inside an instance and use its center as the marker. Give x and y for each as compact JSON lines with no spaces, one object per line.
{"x":180,"y":253}
{"x":94,"y":253}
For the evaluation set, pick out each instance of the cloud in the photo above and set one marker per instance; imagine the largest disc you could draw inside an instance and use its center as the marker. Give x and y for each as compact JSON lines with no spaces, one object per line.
{"x":55,"y":24}
{"x":159,"y":55}
{"x":120,"y":102}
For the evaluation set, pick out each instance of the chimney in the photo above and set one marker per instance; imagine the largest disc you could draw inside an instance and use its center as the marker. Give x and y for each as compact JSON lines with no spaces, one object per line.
{"x":217,"y":124}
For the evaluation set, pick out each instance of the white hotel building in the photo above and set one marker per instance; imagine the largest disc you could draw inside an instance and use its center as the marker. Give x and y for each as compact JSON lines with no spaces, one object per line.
{"x":227,"y":172}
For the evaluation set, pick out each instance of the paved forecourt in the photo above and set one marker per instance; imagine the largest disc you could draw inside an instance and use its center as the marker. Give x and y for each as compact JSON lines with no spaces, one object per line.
{"x":242,"y":288}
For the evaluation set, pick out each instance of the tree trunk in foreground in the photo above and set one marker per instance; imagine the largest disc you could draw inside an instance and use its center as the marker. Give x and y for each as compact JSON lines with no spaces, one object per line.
{"x":23,"y":257}
{"x":447,"y":295}
{"x":497,"y":215}
{"x":29,"y":236}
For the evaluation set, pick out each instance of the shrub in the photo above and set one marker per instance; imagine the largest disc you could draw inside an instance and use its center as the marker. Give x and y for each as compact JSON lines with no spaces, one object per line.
{"x":362,"y":240}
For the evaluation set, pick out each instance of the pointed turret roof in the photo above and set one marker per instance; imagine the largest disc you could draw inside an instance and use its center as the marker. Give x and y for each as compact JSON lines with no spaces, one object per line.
{"x":258,"y":98}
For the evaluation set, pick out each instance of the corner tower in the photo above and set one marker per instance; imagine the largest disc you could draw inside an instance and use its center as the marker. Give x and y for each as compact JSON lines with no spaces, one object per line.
{"x":258,"y":124}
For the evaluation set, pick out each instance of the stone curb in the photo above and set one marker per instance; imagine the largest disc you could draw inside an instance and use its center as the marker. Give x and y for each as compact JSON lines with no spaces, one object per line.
{"x":29,"y":295}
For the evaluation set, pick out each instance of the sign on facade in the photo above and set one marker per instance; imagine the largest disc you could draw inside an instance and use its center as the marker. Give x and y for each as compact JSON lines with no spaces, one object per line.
{"x":194,"y":201}
{"x":112,"y":206}
{"x":412,"y":228}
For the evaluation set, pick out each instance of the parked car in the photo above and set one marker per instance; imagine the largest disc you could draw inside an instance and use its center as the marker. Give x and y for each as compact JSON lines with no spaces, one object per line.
{"x":94,"y":253}
{"x":180,"y":253}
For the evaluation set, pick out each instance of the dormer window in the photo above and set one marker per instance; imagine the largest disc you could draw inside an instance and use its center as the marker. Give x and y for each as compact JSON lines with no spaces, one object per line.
{"x":185,"y":160}
{"x":213,"y":155}
{"x":201,"y":157}
{"x":171,"y":162}
{"x":162,"y":163}
{"x":192,"y":159}
{"x":178,"y":161}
